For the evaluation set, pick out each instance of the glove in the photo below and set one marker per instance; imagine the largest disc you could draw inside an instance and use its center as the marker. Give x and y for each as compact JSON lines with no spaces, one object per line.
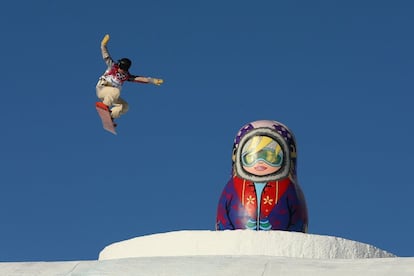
{"x":105,"y":40}
{"x":157,"y":81}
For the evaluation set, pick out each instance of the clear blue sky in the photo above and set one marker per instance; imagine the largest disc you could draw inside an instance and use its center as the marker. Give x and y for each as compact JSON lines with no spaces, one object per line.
{"x":337,"y":73}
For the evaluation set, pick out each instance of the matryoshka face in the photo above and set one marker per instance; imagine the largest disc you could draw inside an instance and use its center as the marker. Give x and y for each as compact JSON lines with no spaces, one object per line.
{"x":261,"y":155}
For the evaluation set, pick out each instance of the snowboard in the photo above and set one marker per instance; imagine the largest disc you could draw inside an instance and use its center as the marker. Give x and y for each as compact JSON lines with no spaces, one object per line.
{"x":106,"y":119}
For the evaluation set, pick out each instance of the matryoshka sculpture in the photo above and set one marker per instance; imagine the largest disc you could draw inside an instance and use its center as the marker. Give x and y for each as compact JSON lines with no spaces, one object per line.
{"x":263,"y":192}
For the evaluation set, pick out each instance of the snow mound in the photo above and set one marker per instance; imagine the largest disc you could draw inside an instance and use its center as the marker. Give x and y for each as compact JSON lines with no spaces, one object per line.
{"x":241,"y":242}
{"x":215,"y":266}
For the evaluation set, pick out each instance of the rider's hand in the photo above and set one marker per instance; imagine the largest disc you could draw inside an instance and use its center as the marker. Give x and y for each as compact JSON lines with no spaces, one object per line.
{"x":105,"y":40}
{"x":157,"y":81}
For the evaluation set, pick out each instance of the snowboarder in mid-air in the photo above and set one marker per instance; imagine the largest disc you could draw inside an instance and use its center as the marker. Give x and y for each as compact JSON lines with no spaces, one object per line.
{"x":108,"y":88}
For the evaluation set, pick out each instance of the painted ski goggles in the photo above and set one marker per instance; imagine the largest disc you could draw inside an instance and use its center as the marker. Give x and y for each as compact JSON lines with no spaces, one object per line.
{"x":262,"y":148}
{"x":269,"y":156}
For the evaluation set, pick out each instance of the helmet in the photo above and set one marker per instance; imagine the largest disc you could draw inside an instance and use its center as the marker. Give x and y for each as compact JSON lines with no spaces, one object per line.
{"x":124,"y":64}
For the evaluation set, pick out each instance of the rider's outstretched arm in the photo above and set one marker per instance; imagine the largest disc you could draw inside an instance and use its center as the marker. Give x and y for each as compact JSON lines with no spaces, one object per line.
{"x":148,"y":80}
{"x":105,"y":53}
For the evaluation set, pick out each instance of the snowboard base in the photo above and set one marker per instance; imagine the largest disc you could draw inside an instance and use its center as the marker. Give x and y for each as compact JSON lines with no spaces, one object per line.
{"x":106,"y":119}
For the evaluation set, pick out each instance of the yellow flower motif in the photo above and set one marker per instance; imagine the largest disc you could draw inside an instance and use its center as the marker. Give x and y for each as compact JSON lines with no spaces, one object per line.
{"x":250,"y":200}
{"x":268,"y":200}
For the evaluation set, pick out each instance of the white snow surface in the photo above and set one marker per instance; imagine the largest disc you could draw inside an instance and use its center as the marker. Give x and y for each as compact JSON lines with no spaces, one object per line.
{"x":240,"y":252}
{"x":241,"y":242}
